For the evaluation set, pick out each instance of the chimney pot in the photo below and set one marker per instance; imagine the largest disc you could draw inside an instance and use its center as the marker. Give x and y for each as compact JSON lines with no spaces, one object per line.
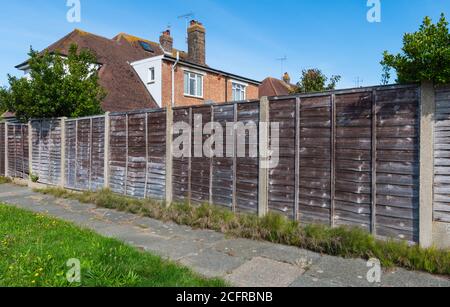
{"x":287,"y":78}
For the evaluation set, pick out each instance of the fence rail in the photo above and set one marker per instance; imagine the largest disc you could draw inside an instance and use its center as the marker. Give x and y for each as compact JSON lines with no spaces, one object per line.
{"x":345,"y":157}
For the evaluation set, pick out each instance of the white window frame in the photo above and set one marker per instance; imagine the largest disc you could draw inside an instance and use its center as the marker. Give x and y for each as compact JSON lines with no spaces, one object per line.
{"x":187,"y":87}
{"x":242,"y":87}
{"x":151,"y":75}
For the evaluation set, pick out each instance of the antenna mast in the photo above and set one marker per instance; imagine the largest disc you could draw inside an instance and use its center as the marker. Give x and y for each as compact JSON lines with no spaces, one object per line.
{"x":282,"y":61}
{"x":186,"y":17}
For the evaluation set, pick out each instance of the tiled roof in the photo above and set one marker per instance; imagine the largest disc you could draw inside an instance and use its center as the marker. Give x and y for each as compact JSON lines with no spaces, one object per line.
{"x":274,"y":87}
{"x":125,"y":90}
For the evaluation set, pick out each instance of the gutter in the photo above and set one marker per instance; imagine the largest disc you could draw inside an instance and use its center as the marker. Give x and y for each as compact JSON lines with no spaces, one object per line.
{"x":173,"y":78}
{"x":212,"y":70}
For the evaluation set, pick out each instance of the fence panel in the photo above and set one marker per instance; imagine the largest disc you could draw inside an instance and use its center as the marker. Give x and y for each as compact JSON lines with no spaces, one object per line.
{"x":137,"y":156}
{"x":282,"y":178}
{"x":2,"y":149}
{"x":442,"y":156}
{"x":46,"y":140}
{"x":248,"y":167}
{"x":353,"y":181}
{"x":397,"y":169}
{"x":156,"y":155}
{"x":223,"y":171}
{"x":118,"y":153}
{"x":201,"y":165}
{"x":181,"y":165}
{"x":315,"y":176}
{"x":18,"y":164}
{"x":84,"y":156}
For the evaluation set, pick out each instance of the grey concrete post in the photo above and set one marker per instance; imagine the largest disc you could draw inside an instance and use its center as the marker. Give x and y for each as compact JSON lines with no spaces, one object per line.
{"x":62,"y":181}
{"x":106,"y":151}
{"x":263,"y":187}
{"x":169,"y":156}
{"x":427,"y":111}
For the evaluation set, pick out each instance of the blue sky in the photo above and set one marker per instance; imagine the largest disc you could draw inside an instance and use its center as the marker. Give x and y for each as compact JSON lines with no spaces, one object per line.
{"x":243,"y":36}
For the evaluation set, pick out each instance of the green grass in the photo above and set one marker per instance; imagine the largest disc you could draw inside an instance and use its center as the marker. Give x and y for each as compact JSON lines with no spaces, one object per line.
{"x":34,"y":250}
{"x":4,"y":180}
{"x":342,"y":241}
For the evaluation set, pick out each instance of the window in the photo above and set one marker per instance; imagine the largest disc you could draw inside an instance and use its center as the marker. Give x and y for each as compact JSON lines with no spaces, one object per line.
{"x":151,"y":75}
{"x":146,"y":46}
{"x":238,"y":91}
{"x":193,"y":84}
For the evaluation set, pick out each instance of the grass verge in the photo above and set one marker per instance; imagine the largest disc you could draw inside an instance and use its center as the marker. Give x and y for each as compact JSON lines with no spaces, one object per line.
{"x":4,"y":180}
{"x":343,"y":241}
{"x":34,"y":250}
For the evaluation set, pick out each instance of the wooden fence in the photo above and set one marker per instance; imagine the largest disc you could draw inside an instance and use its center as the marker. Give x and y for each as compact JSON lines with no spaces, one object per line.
{"x":442,"y":156}
{"x":346,"y":157}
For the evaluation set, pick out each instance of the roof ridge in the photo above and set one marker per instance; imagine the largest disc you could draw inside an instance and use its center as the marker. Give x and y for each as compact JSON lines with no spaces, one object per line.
{"x":82,"y":32}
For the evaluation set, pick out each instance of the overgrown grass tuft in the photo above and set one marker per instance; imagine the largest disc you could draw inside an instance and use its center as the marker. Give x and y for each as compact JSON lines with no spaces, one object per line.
{"x":4,"y":180}
{"x":35,"y":249}
{"x":346,"y":242}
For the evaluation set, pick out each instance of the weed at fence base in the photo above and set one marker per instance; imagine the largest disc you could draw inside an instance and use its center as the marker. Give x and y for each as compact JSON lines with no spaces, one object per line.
{"x":343,"y":241}
{"x":4,"y":180}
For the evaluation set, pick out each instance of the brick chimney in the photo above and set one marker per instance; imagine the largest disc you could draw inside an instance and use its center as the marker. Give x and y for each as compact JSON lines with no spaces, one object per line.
{"x":287,"y":78}
{"x":196,"y":43}
{"x":166,"y":41}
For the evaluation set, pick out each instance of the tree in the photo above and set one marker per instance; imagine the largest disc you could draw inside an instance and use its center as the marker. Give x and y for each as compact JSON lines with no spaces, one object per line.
{"x":425,"y":55}
{"x":313,"y":80}
{"x":57,"y":86}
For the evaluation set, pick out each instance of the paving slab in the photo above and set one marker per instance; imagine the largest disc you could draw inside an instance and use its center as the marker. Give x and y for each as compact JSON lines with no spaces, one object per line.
{"x":263,"y":272}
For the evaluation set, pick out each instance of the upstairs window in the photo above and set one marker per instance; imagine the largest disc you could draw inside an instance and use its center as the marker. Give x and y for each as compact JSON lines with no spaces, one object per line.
{"x":238,"y":91}
{"x":151,"y":75}
{"x":193,"y":84}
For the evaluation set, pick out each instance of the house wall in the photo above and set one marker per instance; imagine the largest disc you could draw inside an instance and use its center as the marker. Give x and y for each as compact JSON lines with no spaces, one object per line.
{"x":216,"y":88}
{"x":142,"y":69}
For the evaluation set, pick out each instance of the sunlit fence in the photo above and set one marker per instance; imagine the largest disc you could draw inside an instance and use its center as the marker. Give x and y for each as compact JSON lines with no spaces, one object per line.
{"x":376,"y":158}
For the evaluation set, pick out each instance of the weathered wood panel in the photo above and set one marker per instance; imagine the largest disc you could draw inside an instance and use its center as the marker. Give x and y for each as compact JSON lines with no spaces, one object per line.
{"x":97,"y":180}
{"x":441,"y":207}
{"x":137,"y":156}
{"x":223,"y":165}
{"x":46,"y":151}
{"x":315,"y":160}
{"x":18,"y":166}
{"x":84,"y":156}
{"x":282,"y":177}
{"x":2,"y":149}
{"x":156,"y":162}
{"x":201,"y":165}
{"x":353,"y":183}
{"x":118,"y":153}
{"x":181,"y":165}
{"x":397,"y":169}
{"x":247,"y":166}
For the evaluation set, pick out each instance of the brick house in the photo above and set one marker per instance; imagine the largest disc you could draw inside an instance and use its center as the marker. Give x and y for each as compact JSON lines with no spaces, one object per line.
{"x":141,"y":74}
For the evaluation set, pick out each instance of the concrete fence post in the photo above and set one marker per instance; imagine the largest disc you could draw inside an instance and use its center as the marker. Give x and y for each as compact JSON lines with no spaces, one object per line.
{"x":169,"y":155}
{"x":62,"y":181}
{"x":427,"y":111}
{"x":263,"y":186}
{"x":6,"y":150}
{"x":106,"y":150}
